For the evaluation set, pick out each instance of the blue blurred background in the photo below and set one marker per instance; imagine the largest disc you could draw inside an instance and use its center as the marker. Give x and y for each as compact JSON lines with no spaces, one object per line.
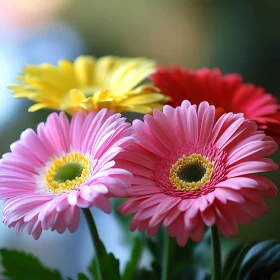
{"x":236,"y":36}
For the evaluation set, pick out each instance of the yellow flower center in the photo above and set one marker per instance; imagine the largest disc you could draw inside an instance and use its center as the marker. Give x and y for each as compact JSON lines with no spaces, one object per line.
{"x":189,"y":173}
{"x":67,"y":173}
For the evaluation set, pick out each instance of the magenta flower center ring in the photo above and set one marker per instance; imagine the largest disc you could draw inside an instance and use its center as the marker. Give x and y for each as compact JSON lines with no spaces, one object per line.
{"x":191,"y":170}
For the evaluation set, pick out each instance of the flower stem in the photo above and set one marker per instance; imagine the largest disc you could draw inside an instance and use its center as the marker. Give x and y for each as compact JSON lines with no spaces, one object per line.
{"x":216,"y":248}
{"x":165,"y":271}
{"x":97,"y":244}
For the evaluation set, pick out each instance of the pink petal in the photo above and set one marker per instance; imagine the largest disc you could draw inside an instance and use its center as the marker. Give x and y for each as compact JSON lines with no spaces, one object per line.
{"x":249,"y":167}
{"x":103,"y":204}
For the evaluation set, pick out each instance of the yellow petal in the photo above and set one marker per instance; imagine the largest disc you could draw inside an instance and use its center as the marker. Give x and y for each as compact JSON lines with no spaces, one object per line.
{"x":38,"y":106}
{"x":15,"y":87}
{"x":144,"y":99}
{"x":76,"y":96}
{"x":84,"y":70}
{"x":136,"y":109}
{"x":129,"y":74}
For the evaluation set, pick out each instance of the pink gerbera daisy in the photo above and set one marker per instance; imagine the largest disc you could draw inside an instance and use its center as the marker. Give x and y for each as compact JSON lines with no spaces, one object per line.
{"x":228,"y":93}
{"x":48,"y":176}
{"x":190,"y":170}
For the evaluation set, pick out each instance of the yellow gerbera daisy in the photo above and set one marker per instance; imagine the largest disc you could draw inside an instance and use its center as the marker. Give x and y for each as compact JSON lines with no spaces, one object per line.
{"x":91,"y":83}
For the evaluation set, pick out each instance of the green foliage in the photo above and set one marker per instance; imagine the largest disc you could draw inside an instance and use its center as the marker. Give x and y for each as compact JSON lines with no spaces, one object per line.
{"x":256,"y":261}
{"x":108,"y":263}
{"x":82,"y":276}
{"x":261,"y":261}
{"x":93,"y":269}
{"x":131,"y":266}
{"x":185,"y":262}
{"x":234,"y":261}
{"x":16,"y":264}
{"x":144,"y":274}
{"x":19,"y":264}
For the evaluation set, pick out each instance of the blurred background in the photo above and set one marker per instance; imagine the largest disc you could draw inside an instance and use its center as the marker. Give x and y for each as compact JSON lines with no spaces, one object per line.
{"x":236,"y":36}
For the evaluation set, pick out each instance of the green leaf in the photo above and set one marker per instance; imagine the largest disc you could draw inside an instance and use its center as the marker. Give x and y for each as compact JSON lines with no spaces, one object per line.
{"x":234,"y":262}
{"x":187,"y":262}
{"x":109,"y":261}
{"x":131,"y":266}
{"x":183,"y":265}
{"x":144,"y":274}
{"x":82,"y":276}
{"x":19,"y":264}
{"x":92,"y":269}
{"x":230,"y":258}
{"x":261,"y":261}
{"x":109,"y":265}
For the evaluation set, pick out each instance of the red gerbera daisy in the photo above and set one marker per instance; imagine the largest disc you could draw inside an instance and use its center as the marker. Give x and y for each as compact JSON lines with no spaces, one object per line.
{"x":228,"y":93}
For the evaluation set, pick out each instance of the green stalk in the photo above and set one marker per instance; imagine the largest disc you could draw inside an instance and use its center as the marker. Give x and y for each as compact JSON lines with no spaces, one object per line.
{"x":216,"y":249}
{"x":98,"y":246}
{"x":165,"y":270}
